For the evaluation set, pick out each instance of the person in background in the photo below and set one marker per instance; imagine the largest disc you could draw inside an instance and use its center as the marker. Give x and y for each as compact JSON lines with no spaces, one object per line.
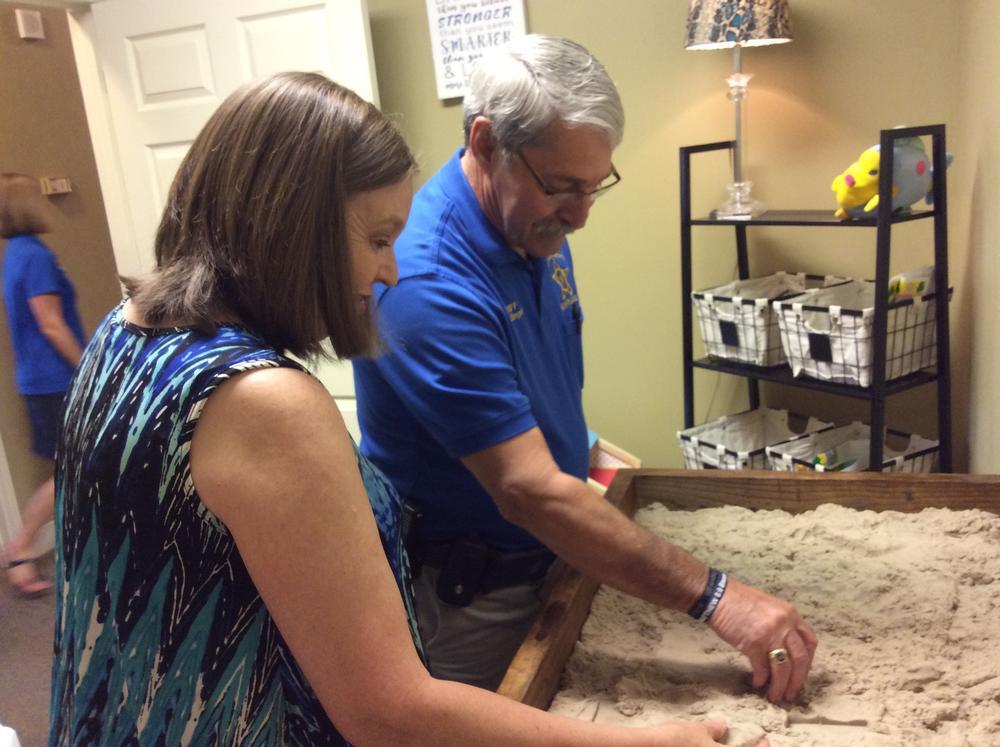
{"x":229,"y":568}
{"x":47,"y":339}
{"x":475,"y":413}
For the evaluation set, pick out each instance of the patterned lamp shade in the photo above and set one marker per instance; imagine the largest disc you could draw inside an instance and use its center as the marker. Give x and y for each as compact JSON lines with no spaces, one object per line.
{"x":716,"y":24}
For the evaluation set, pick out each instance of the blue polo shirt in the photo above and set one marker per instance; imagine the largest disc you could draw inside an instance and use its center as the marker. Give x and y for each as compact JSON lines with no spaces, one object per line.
{"x":30,"y":269}
{"x":482,"y":346}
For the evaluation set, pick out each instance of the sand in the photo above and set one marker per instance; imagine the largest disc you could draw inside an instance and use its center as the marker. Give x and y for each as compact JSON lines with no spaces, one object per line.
{"x":906,"y":608}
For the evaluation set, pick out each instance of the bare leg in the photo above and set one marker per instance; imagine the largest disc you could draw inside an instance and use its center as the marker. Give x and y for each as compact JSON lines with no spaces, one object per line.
{"x":39,"y":511}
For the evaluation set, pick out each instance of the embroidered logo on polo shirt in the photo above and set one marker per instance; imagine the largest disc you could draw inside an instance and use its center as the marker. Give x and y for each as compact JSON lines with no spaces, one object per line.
{"x":514,"y":311}
{"x":560,"y":273}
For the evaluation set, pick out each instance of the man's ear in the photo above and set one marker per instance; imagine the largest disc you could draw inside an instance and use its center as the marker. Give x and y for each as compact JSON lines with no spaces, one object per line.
{"x":482,"y":144}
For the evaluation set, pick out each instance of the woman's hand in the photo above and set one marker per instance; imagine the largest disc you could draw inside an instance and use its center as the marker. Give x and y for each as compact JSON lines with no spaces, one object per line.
{"x":693,"y":734}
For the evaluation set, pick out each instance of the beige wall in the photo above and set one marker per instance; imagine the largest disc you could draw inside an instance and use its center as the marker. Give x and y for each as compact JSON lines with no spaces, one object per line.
{"x":854,"y":68}
{"x":978,"y":220}
{"x":43,"y":131}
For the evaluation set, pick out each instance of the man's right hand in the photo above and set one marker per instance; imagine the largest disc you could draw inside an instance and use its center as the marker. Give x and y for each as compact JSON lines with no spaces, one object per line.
{"x":757,"y":624}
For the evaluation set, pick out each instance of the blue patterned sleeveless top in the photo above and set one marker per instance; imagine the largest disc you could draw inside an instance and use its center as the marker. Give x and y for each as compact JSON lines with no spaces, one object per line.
{"x":161,"y":637}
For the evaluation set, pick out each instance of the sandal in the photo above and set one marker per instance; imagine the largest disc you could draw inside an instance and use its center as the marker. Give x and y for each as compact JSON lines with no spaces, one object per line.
{"x":26,"y":585}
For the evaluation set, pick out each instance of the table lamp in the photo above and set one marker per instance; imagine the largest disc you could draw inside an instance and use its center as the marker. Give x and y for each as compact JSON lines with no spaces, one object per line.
{"x":719,"y":24}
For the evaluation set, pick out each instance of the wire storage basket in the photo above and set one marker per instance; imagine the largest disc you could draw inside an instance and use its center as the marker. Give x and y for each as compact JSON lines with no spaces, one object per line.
{"x":827,"y":333}
{"x":739,"y":441}
{"x":737,"y":321}
{"x":846,"y":449}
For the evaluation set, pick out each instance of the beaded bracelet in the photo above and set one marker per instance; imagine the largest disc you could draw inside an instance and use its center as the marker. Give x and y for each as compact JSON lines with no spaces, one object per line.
{"x":709,"y":599}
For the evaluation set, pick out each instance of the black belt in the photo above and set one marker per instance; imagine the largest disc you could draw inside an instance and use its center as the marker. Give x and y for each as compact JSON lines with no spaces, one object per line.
{"x":469,"y":567}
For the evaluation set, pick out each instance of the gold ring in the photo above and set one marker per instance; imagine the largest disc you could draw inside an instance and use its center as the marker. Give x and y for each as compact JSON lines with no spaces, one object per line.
{"x":779,"y":655}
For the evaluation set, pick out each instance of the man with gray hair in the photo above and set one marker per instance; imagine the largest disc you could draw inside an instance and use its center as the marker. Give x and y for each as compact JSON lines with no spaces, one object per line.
{"x":475,"y":411}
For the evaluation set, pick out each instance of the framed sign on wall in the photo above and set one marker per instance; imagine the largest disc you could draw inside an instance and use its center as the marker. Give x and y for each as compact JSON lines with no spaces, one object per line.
{"x":464,"y":30}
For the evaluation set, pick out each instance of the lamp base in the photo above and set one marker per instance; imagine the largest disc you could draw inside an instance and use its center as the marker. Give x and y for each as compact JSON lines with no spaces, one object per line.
{"x":740,"y":204}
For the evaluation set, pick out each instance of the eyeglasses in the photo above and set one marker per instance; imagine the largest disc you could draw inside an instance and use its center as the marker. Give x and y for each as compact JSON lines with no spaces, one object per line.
{"x":568,"y":197}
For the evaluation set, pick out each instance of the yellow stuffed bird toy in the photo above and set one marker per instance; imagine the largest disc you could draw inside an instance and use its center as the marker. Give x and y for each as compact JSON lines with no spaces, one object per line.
{"x":858,"y":186}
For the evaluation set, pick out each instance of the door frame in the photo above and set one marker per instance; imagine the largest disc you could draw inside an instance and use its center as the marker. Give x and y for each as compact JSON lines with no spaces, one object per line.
{"x":10,"y":510}
{"x":83,"y":33}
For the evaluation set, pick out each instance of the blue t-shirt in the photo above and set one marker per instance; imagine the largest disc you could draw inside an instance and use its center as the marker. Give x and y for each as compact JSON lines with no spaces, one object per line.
{"x":30,"y":269}
{"x":482,"y":346}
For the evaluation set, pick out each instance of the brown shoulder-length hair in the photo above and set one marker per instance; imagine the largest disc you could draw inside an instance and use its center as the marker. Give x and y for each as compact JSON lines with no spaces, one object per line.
{"x":22,"y":206}
{"x":254,"y":226}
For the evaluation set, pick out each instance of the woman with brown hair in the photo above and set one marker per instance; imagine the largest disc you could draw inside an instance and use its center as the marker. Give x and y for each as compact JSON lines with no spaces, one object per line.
{"x":230,"y":570}
{"x":47,"y":339}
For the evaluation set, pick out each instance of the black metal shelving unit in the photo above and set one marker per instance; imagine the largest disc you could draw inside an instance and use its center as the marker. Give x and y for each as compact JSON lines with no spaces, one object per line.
{"x":882,"y":222}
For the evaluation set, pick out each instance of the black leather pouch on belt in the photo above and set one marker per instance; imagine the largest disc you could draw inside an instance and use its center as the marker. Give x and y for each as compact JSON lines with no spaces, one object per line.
{"x":462,"y":571}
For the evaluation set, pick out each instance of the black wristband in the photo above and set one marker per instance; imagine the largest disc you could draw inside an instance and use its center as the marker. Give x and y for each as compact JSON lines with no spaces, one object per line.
{"x":702,"y":609}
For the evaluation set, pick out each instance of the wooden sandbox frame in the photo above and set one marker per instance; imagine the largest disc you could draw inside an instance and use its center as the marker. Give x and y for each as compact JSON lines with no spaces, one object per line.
{"x":533,"y":675}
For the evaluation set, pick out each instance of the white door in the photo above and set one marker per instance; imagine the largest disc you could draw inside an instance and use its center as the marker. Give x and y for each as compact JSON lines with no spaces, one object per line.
{"x":168,"y":65}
